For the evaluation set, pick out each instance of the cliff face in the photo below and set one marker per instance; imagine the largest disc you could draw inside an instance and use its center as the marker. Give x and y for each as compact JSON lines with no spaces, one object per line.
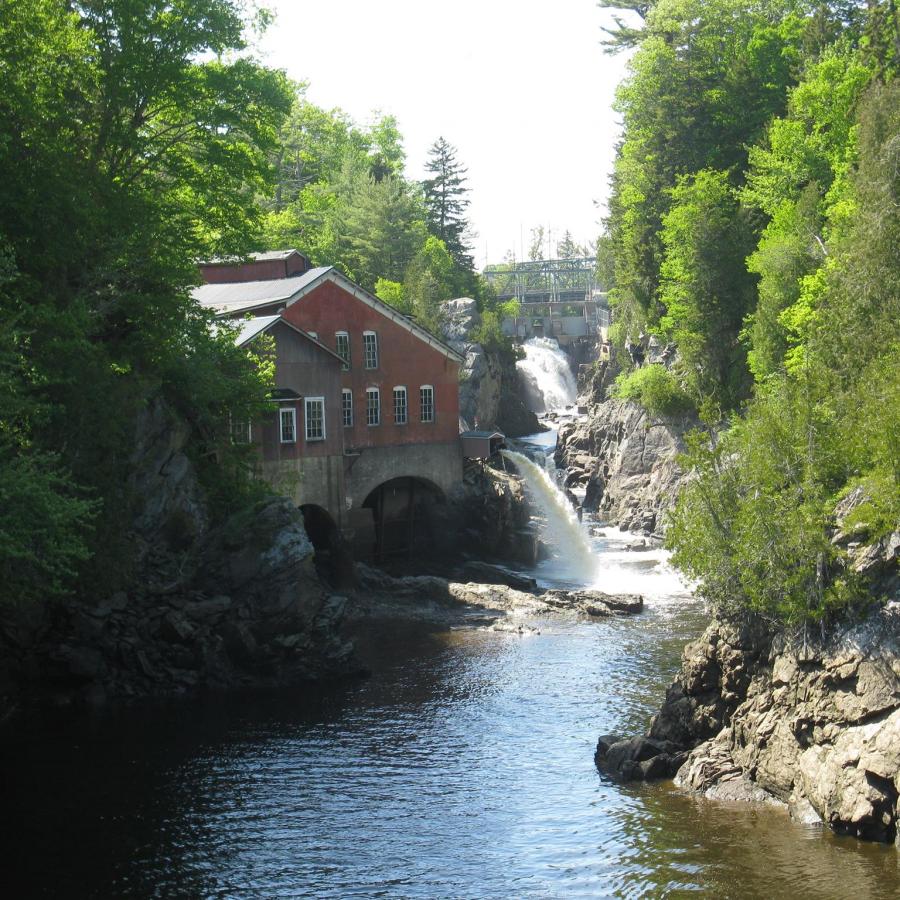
{"x":623,"y":457}
{"x":490,"y":395}
{"x":805,"y":720}
{"x":237,"y":604}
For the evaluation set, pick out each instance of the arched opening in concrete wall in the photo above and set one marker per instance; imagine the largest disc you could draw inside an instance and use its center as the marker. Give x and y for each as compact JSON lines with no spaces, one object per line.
{"x":333,"y":559}
{"x":406,"y":514}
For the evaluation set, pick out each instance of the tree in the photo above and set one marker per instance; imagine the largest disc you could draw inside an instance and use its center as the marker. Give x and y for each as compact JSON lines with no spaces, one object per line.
{"x":704,"y":82}
{"x":134,"y":142}
{"x":536,"y":244}
{"x":446,"y":201}
{"x":568,"y":249}
{"x":429,"y":282}
{"x":706,"y":288}
{"x":622,"y":35}
{"x":379,"y":226}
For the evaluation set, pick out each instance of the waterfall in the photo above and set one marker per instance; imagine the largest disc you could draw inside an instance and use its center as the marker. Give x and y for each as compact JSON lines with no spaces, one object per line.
{"x":547,"y":378}
{"x":563,"y":530}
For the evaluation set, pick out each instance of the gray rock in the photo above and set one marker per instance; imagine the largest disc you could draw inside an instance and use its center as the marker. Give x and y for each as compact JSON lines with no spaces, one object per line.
{"x":772,"y":717}
{"x":631,"y":457}
{"x":490,"y":393}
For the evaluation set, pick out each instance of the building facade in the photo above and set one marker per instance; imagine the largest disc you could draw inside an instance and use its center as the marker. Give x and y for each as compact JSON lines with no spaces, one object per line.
{"x":390,"y":400}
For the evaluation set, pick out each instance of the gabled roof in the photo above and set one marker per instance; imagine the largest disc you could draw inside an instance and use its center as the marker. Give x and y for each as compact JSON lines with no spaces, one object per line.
{"x":250,"y":328}
{"x":268,"y":255}
{"x":234,"y":299}
{"x":253,"y":328}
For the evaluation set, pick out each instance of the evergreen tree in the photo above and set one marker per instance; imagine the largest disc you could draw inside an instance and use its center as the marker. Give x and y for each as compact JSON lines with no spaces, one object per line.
{"x":446,"y":201}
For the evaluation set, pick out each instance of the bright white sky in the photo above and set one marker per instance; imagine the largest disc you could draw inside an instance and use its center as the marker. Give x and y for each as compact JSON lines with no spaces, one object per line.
{"x":520,"y":87}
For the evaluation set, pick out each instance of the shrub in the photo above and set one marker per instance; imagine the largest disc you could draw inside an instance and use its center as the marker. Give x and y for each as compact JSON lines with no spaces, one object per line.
{"x":655,"y":388}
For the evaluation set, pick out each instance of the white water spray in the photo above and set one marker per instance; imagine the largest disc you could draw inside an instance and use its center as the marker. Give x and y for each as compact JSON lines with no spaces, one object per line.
{"x":548,"y":379}
{"x":563,"y":529}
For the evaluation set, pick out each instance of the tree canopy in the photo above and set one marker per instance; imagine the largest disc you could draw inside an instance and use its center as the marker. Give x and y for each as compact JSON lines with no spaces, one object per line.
{"x":753,"y":223}
{"x":133,"y":142}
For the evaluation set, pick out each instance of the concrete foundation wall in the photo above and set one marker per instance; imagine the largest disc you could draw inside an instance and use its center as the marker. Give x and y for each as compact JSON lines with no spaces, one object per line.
{"x":310,"y":479}
{"x":439,"y":464}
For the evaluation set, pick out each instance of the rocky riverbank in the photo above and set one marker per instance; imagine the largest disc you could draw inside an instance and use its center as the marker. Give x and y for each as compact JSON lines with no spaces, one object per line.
{"x":236,"y":604}
{"x":623,"y":457}
{"x":758,"y":715}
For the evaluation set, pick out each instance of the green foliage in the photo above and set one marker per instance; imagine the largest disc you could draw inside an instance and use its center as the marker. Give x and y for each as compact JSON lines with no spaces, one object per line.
{"x":133,"y":141}
{"x":705,"y":287}
{"x":429,"y":282}
{"x":799,"y":177}
{"x":510,"y":309}
{"x":752,"y":525}
{"x":755,"y":523}
{"x":655,"y":388}
{"x":446,"y":201}
{"x":45,"y":524}
{"x":393,"y":294}
{"x":490,"y":335}
{"x":703,"y":83}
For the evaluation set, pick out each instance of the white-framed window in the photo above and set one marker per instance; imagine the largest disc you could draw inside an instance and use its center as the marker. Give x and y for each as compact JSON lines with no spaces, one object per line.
{"x":241,"y":431}
{"x":314,"y":409}
{"x":347,"y":408}
{"x":342,"y":347}
{"x":373,"y":406}
{"x":287,"y":422}
{"x":370,"y":349}
{"x":426,"y":403}
{"x":401,"y":413}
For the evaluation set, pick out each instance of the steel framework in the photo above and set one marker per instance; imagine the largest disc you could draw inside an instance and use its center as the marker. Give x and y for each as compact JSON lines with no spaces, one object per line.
{"x":545,"y":280}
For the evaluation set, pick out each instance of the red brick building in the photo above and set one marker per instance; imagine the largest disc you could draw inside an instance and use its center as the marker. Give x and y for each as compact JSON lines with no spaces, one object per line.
{"x":398,"y":409}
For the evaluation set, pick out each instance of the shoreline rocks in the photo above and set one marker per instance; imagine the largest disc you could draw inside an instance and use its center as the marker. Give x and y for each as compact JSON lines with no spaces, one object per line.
{"x":440,"y":601}
{"x":250,"y":611}
{"x":760,"y":715}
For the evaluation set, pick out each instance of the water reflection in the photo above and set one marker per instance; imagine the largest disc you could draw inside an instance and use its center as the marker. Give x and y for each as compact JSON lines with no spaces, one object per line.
{"x":462,"y":769}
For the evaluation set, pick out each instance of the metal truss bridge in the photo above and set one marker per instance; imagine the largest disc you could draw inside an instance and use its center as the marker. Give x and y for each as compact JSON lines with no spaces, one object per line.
{"x":545,"y":280}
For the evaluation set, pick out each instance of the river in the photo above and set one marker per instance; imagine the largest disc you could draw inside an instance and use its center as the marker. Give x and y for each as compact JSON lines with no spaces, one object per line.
{"x":462,"y":768}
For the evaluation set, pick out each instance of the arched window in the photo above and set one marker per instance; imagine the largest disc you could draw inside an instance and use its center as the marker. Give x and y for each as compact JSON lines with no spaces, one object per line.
{"x":373,"y":406}
{"x":426,"y":403}
{"x":401,"y":411}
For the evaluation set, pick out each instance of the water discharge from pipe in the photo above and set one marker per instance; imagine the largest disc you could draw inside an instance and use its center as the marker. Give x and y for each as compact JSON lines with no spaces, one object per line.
{"x":562,"y":529}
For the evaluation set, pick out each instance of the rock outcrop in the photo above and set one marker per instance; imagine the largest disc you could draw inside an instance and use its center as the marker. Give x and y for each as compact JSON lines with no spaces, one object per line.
{"x":491,"y":518}
{"x":445,"y":602}
{"x":236,"y":604}
{"x":759,"y":715}
{"x":489,"y":392}
{"x":623,"y":457}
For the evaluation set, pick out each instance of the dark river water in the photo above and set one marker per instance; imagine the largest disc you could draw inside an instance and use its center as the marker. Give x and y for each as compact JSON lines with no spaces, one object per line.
{"x":462,"y":768}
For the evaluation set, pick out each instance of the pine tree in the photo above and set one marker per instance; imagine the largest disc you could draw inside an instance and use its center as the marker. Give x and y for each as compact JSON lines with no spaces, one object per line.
{"x":446,"y":201}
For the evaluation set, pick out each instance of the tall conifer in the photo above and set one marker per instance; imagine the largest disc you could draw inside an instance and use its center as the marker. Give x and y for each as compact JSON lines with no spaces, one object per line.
{"x":446,"y":201}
